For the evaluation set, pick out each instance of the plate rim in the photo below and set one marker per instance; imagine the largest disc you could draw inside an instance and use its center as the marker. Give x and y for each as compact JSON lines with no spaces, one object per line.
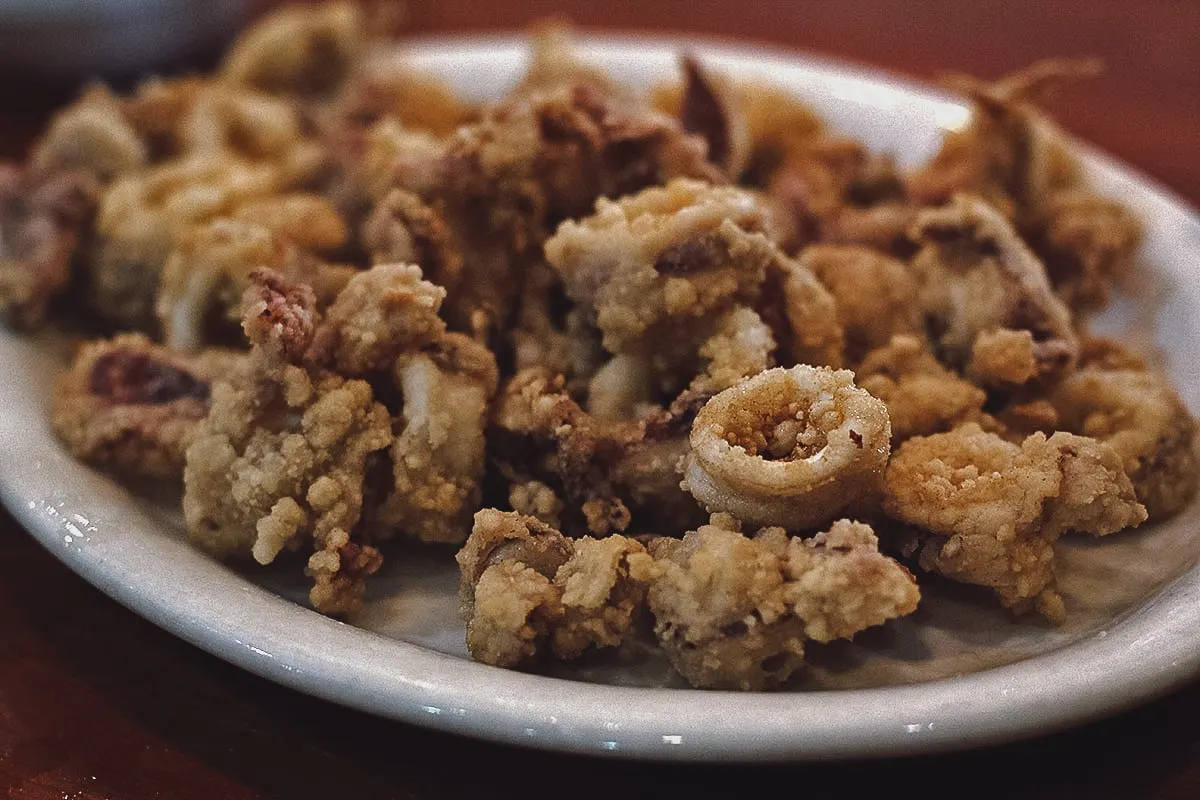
{"x":1155,"y":646}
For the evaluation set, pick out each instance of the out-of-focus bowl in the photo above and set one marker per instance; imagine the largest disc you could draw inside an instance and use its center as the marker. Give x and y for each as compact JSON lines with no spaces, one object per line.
{"x":83,"y":38}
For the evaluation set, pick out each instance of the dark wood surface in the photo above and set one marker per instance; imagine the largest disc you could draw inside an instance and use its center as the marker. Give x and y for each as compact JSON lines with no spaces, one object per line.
{"x":97,"y":703}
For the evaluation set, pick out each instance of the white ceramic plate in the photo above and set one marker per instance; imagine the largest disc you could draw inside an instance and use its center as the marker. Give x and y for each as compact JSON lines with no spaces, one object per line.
{"x":957,"y":674}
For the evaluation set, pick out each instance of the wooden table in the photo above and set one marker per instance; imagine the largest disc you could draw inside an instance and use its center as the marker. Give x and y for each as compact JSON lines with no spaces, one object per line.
{"x":97,"y":703}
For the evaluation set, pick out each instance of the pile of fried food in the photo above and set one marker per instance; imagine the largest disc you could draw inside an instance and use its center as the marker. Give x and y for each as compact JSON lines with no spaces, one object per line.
{"x":685,"y":361}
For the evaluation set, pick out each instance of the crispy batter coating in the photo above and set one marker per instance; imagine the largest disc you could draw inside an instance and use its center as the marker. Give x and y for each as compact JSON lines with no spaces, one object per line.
{"x":132,"y":407}
{"x":383,"y":313}
{"x":298,"y":49}
{"x":733,"y":612}
{"x":803,"y":315}
{"x":404,"y":230}
{"x":788,"y":447}
{"x":529,"y":590}
{"x":662,"y":258}
{"x":977,"y":275}
{"x":875,"y":295}
{"x":281,"y":459}
{"x":921,"y":395}
{"x":1141,"y":417}
{"x":94,"y":137}
{"x":993,"y":509}
{"x":43,"y":220}
{"x":208,"y":270}
{"x":438,"y":455}
{"x":1087,"y":242}
{"x":1005,"y":155}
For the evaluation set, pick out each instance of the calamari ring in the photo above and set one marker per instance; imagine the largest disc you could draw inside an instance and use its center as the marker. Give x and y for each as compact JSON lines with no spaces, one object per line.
{"x":789,"y":447}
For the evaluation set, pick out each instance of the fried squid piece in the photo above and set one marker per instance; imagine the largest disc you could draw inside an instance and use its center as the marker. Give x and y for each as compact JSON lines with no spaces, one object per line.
{"x":990,"y":510}
{"x":1007,"y":154}
{"x":1138,"y":414}
{"x":438,"y":456}
{"x":875,"y":295}
{"x":208,"y":270}
{"x":298,"y":50}
{"x":1087,"y":242}
{"x":792,"y":448}
{"x":504,"y":182}
{"x":803,"y":315}
{"x":92,"y":136}
{"x":921,"y":395}
{"x":140,"y":216}
{"x":529,"y":591}
{"x":132,"y":407}
{"x":404,"y":230}
{"x":43,"y":218}
{"x":280,"y":461}
{"x":1013,"y":158}
{"x":553,"y":333}
{"x":383,"y":313}
{"x":650,"y":264}
{"x":733,"y":612}
{"x":576,"y":450}
{"x":976,"y":276}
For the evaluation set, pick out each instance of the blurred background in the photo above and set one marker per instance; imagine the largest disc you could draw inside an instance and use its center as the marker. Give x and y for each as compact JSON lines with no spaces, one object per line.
{"x":1145,"y":108}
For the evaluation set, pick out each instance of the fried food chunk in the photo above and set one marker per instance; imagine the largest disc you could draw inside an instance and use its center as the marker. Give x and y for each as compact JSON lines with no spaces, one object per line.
{"x":875,"y":295}
{"x":208,"y":270}
{"x":1087,"y":242}
{"x":992,"y":510}
{"x":1017,"y":161}
{"x":132,"y":407}
{"x":977,"y":275}
{"x":733,"y":612}
{"x":43,"y":220}
{"x":1140,"y":416}
{"x":280,"y":460}
{"x":298,"y":49}
{"x":653,"y":261}
{"x":438,"y":457}
{"x":404,"y":230}
{"x":383,"y":313}
{"x":93,"y":137}
{"x":788,"y":447}
{"x":528,"y":590}
{"x":921,"y":395}
{"x":803,"y":315}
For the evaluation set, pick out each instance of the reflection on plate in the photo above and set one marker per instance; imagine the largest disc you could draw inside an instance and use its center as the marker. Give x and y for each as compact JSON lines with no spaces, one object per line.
{"x":957,"y":673}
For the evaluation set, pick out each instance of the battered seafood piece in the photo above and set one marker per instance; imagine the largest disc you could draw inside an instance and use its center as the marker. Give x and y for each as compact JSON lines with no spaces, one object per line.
{"x":92,"y":137}
{"x":281,"y":459}
{"x":1088,"y":243}
{"x":976,"y":275}
{"x":132,"y":407}
{"x":527,"y":589}
{"x":546,"y":154}
{"x":653,"y":262}
{"x":1017,"y":161}
{"x":875,"y":295}
{"x":208,"y":270}
{"x":404,"y":230}
{"x":922,"y":396}
{"x":1139,"y":415}
{"x":383,"y":313}
{"x":733,"y":612}
{"x":438,"y":456}
{"x":991,"y":510}
{"x":789,"y":447}
{"x":803,"y":315}
{"x":43,"y":219}
{"x":301,"y":50}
